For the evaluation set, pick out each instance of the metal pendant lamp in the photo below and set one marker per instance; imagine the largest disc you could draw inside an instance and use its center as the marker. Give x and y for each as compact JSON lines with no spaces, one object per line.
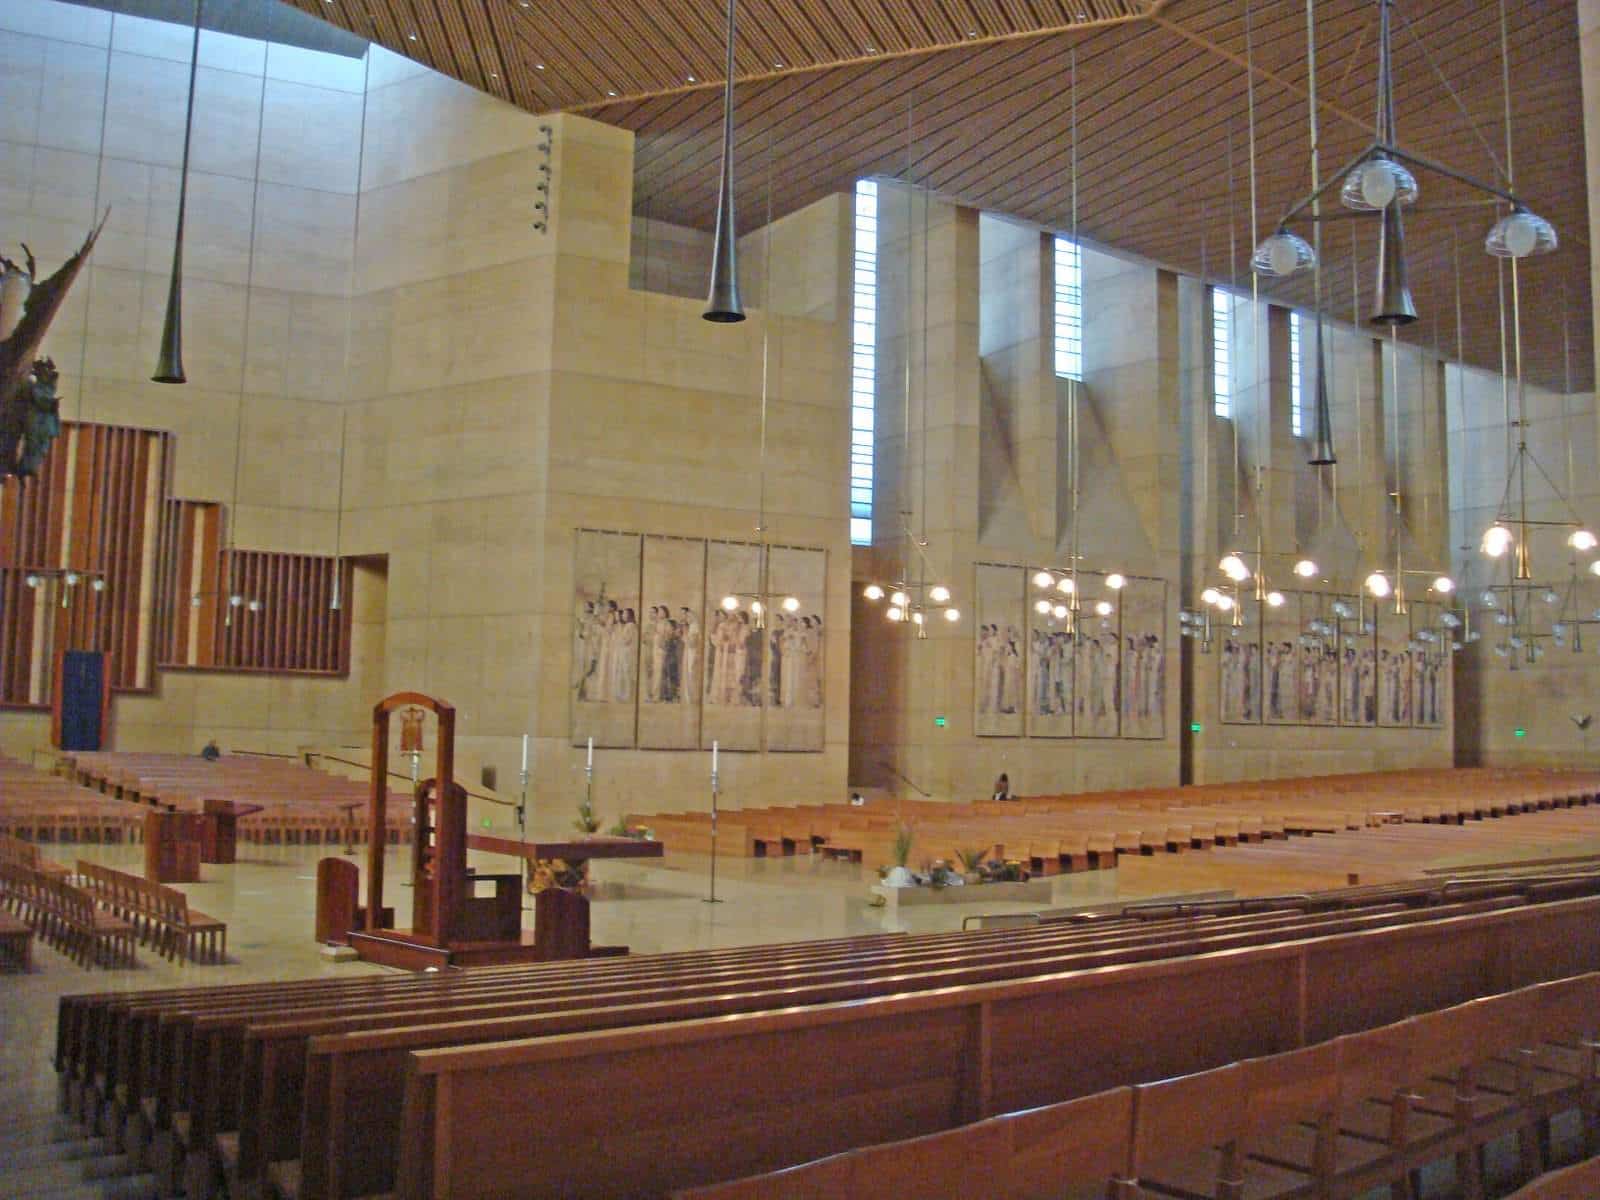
{"x":1394,"y":305}
{"x":169,"y":364}
{"x":724,"y":306}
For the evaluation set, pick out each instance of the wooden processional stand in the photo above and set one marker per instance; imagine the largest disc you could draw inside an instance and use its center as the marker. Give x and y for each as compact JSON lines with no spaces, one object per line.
{"x":451,"y":924}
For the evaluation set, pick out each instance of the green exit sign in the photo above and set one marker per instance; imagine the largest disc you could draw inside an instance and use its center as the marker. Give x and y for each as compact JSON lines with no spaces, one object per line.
{"x":1521,"y":732}
{"x":1194,"y":726}
{"x":939,"y":721}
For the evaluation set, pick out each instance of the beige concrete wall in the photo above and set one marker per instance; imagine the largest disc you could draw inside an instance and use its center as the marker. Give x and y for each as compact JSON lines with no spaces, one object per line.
{"x":91,"y":118}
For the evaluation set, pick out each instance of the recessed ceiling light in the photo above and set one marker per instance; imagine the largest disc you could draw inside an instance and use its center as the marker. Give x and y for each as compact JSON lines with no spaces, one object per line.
{"x":411,"y":37}
{"x":972,"y":33}
{"x":777,"y":66}
{"x":692,"y":79}
{"x":872,"y":49}
{"x":492,"y":75}
{"x":538,"y":66}
{"x":609,"y":92}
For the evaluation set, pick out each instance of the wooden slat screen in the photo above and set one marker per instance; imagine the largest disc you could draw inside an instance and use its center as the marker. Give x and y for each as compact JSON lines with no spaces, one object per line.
{"x":92,"y":509}
{"x":296,"y":629}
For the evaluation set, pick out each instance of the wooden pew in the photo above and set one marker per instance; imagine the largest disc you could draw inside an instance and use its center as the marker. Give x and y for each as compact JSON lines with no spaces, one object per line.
{"x":958,"y":1054}
{"x":66,"y":917}
{"x":1262,"y":1127}
{"x":160,"y":915}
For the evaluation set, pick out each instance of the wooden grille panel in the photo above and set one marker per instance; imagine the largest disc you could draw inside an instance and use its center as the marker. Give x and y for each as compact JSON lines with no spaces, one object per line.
{"x":91,"y":510}
{"x":296,"y":628}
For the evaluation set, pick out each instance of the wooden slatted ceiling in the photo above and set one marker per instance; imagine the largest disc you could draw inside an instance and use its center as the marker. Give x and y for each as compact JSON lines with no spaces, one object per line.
{"x":986,"y":121}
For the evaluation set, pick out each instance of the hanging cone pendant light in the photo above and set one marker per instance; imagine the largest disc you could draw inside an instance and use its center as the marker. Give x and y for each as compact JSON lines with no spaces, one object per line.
{"x":724,"y":305}
{"x":169,"y":364}
{"x":1394,"y":304}
{"x":1322,"y":454}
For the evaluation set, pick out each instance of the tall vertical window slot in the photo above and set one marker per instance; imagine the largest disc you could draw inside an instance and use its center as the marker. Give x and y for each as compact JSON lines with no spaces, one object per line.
{"x":1297,"y":412}
{"x":1221,"y":352}
{"x":864,"y":362}
{"x":1069,"y":309}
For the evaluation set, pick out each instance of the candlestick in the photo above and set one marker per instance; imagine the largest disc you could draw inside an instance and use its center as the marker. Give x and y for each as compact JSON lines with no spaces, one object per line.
{"x":589,"y":762}
{"x":524,"y":754}
{"x":713,"y":758}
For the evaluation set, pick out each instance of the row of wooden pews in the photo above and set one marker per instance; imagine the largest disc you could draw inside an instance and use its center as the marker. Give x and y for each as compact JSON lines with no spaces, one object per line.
{"x":1549,"y":840}
{"x":634,"y":1076}
{"x":1338,"y":1119}
{"x":1090,"y":830}
{"x":42,"y":807}
{"x":277,"y":800}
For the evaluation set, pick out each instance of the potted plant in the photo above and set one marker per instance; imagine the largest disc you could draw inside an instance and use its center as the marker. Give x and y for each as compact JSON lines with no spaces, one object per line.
{"x":972,"y":864}
{"x":898,"y":875}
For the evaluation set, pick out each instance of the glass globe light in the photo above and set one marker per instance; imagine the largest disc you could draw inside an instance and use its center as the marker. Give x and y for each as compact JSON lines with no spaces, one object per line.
{"x":791,"y":604}
{"x":1378,"y":584}
{"x":32,"y":580}
{"x":1210,"y":595}
{"x":900,"y":600}
{"x":1342,"y":610}
{"x":1455,"y":647}
{"x":1282,"y":254}
{"x":1375,"y":183}
{"x":938,"y":593}
{"x":1104,"y":608}
{"x":255,"y":606}
{"x":1502,"y":618}
{"x":1116,"y":582}
{"x":730,"y":603}
{"x":1559,"y":629}
{"x":952,"y":615}
{"x":1515,"y":642}
{"x":236,"y":600}
{"x":1234,"y":568}
{"x":755,"y":607}
{"x":1042,"y":607}
{"x":1521,"y":234}
{"x":1305,"y":568}
{"x":1444,"y":585}
{"x":194,"y":600}
{"x":1065,"y":584}
{"x":1449,"y":620}
{"x":1551,"y":596}
{"x":1496,"y":540}
{"x":895,"y":613}
{"x":1043,"y":579}
{"x":1582,"y":539}
{"x":98,"y":584}
{"x":872,"y":592}
{"x":1594,"y":567}
{"x":1059,"y":611}
{"x":1502,"y":650}
{"x":1490,"y":600}
{"x":1275,"y":599}
{"x":916,"y":617}
{"x":72,"y":578}
{"x":1225,"y":603}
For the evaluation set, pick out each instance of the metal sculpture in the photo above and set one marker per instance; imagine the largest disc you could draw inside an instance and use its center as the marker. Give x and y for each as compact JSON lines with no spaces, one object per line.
{"x":29,"y":408}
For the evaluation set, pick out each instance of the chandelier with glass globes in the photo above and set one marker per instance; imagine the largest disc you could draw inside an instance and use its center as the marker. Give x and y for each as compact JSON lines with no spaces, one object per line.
{"x":1380,"y":181}
{"x":913,"y":603}
{"x":1061,"y":597}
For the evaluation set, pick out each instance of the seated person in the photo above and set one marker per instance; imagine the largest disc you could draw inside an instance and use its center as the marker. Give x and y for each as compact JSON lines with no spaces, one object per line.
{"x":1002,"y":788}
{"x":211,"y":753}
